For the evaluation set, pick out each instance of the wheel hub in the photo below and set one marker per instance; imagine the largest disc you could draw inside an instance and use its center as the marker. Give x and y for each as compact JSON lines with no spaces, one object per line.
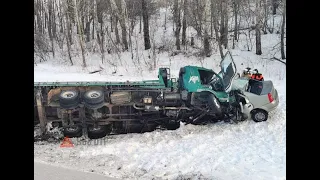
{"x":94,"y":94}
{"x":260,"y":116}
{"x":68,"y":94}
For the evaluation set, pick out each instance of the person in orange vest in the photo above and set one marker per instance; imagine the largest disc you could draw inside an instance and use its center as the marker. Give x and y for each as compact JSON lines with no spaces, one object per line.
{"x":257,"y":76}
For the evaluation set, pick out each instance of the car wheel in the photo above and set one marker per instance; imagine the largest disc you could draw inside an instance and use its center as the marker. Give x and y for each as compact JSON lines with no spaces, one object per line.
{"x":259,"y":115}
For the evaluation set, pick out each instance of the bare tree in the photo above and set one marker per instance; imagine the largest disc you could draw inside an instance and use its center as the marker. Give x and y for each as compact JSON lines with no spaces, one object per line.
{"x":100,"y":7}
{"x":176,"y":17}
{"x":197,"y":10}
{"x":265,"y":16}
{"x":116,"y":31}
{"x":50,"y":22}
{"x":224,"y":23}
{"x":283,"y":55}
{"x":165,"y":15}
{"x":147,"y":44}
{"x":275,"y":4}
{"x":67,"y":34}
{"x":121,"y":14}
{"x":215,"y":26}
{"x":184,"y":21}
{"x":80,"y":36}
{"x":236,"y":12}
{"x":258,"y":27}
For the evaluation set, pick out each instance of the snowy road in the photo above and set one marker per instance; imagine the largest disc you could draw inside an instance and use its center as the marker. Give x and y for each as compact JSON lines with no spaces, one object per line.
{"x":44,"y":171}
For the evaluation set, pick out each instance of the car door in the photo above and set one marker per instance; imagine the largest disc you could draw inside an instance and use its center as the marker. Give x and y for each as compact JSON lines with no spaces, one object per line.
{"x":228,"y":71}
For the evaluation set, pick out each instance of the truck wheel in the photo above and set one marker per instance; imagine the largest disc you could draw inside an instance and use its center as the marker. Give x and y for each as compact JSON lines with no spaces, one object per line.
{"x":173,"y":125}
{"x":99,"y":131}
{"x":69,"y":99}
{"x":93,"y":99}
{"x":73,"y":131}
{"x":259,"y":115}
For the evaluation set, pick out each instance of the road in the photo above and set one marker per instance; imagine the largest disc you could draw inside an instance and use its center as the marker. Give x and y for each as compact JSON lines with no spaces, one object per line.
{"x":44,"y":171}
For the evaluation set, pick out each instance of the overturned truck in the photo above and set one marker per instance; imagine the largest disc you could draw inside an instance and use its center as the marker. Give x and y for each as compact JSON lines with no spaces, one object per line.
{"x":100,"y":108}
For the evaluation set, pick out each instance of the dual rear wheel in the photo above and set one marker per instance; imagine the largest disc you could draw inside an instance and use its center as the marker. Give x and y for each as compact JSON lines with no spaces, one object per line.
{"x":92,"y":99}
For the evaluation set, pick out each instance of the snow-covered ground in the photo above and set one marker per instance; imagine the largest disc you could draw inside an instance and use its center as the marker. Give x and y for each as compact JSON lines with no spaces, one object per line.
{"x":245,"y":151}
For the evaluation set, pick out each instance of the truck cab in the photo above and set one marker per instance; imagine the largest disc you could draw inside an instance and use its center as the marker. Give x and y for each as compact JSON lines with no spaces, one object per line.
{"x":196,"y":80}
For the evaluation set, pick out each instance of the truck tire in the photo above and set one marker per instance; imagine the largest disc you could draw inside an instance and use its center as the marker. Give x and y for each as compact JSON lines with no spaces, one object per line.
{"x":93,"y":99}
{"x":99,"y":132}
{"x":74,"y":131}
{"x":173,"y":125}
{"x":69,"y":99}
{"x":259,"y":115}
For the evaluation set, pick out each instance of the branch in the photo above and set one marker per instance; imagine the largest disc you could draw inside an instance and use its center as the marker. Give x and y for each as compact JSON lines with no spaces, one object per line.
{"x":279,"y":60}
{"x":240,"y":29}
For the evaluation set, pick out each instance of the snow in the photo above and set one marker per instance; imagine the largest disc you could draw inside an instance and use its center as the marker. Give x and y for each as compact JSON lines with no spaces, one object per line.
{"x":242,"y":151}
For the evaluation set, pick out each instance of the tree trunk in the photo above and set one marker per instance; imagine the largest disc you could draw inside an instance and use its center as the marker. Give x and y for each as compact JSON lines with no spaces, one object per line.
{"x":140,"y":23}
{"x":92,"y":16}
{"x":116,"y":31}
{"x":92,"y":32}
{"x":124,"y":34}
{"x":60,"y":16}
{"x":224,"y":24}
{"x":206,"y":44}
{"x":283,"y":55}
{"x":122,"y":23}
{"x":265,"y":20}
{"x":165,"y":16}
{"x":99,"y":10}
{"x":111,"y":23}
{"x":258,"y":27}
{"x":147,"y":44}
{"x":184,"y":22}
{"x":54,"y":25}
{"x":68,"y":37}
{"x":87,"y":30}
{"x":84,"y":64}
{"x":43,"y":17}
{"x":236,"y":10}
{"x":102,"y":42}
{"x":177,"y":20}
{"x":39,"y":20}
{"x":275,"y":4}
{"x":221,"y":20}
{"x":50,"y":25}
{"x":215,"y":26}
{"x":70,"y":13}
{"x":211,"y":19}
